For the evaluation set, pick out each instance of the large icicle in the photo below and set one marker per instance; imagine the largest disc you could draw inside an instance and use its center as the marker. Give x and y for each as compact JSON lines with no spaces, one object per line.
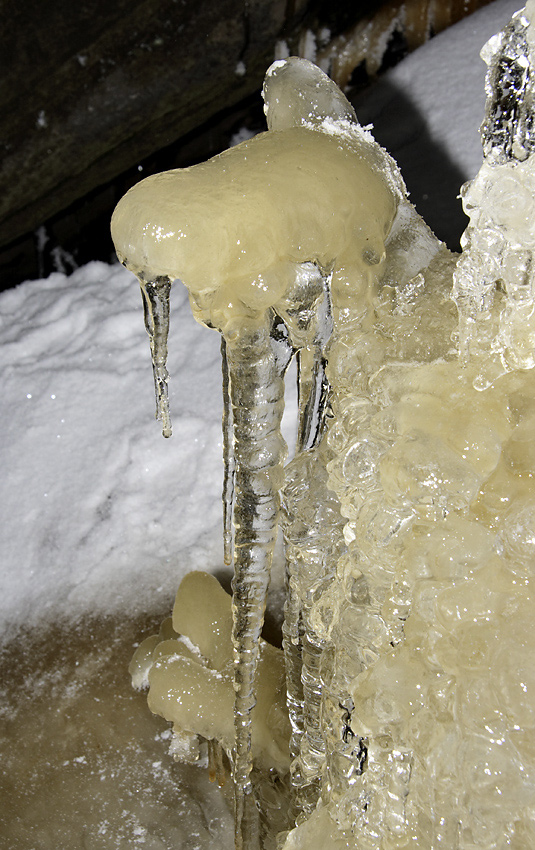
{"x":257,"y":395}
{"x":228,"y":459}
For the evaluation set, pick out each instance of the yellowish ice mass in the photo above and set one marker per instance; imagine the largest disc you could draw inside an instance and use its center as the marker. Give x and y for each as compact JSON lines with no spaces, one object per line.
{"x":271,"y":207}
{"x":408,"y":510}
{"x":189,"y":669}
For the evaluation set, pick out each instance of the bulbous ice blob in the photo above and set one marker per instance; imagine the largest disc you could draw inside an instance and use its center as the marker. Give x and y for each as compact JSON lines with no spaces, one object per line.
{"x":297,"y":93}
{"x":202,"y":612}
{"x":188,"y":667}
{"x":233,"y":228}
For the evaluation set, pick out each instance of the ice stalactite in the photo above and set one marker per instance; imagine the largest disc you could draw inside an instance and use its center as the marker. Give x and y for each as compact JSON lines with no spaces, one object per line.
{"x":156,"y":308}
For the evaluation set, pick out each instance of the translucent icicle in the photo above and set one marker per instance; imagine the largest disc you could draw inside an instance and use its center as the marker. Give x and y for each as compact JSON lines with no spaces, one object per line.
{"x":313,"y":390}
{"x":228,"y":458}
{"x":313,"y":536}
{"x":313,"y":745}
{"x":306,"y":311}
{"x":257,"y":395}
{"x":156,"y":310}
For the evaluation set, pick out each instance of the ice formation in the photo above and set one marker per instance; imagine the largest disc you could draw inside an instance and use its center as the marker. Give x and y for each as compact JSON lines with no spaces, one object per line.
{"x":493,"y":286}
{"x":409,"y":509}
{"x":190,"y":671}
{"x":264,"y":241}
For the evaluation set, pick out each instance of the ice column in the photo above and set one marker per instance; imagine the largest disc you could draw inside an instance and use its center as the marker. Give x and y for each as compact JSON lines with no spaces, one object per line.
{"x":155,"y":295}
{"x":256,"y":235}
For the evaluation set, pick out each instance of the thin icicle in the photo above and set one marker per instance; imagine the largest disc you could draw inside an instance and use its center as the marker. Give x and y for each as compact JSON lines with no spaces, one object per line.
{"x":306,"y":312}
{"x":228,"y":458}
{"x":156,"y":309}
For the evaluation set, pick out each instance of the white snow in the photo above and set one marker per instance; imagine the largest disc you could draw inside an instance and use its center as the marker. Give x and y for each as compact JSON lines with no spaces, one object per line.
{"x":99,"y":511}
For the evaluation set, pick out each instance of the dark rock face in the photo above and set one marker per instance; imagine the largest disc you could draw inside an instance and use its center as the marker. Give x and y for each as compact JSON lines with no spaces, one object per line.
{"x":96,"y":87}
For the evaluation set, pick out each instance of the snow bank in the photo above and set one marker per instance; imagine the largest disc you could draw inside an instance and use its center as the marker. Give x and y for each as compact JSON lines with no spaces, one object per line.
{"x":99,"y":511}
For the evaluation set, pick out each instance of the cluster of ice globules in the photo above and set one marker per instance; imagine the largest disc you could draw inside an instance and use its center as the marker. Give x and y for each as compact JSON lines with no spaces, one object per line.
{"x":494,"y":283}
{"x":426,"y":670}
{"x":422,"y":627}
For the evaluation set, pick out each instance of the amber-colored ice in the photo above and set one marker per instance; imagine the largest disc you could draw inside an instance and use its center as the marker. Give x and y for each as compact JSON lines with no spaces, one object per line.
{"x":190,"y":676}
{"x":233,"y":229}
